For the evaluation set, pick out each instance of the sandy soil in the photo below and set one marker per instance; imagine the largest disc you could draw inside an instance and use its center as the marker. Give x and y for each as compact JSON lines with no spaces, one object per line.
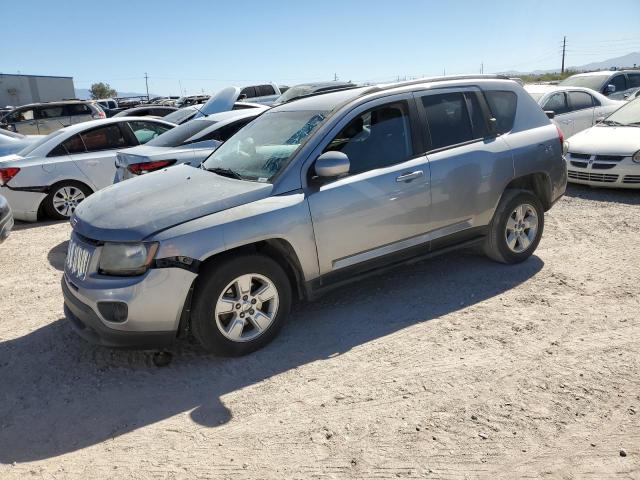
{"x":451,"y":368}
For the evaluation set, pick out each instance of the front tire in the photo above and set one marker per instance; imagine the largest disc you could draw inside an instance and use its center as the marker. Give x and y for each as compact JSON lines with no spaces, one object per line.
{"x":64,"y":198}
{"x":516,"y":228}
{"x":240,"y":304}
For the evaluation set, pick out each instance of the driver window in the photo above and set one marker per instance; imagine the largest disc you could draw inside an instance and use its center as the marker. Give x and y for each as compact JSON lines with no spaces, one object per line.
{"x":375,"y":139}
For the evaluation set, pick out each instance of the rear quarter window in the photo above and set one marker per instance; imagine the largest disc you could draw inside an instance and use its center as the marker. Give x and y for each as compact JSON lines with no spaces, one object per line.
{"x":503,"y":106}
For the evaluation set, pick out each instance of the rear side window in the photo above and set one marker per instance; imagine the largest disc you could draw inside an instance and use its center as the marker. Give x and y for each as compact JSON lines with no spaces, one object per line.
{"x":448,"y":118}
{"x":634,"y":80}
{"x":78,"y":109}
{"x":250,"y":92}
{"x":557,"y":103}
{"x":104,"y":138}
{"x":51,"y":112}
{"x":74,"y":145}
{"x":145,"y":131}
{"x":503,"y":108}
{"x":580,"y":100}
{"x":264,"y":90}
{"x":620,"y":82}
{"x":58,"y":151}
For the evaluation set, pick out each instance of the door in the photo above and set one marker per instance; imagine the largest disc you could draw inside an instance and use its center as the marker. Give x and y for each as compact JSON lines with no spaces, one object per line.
{"x":23,"y":121}
{"x":468,"y":166}
{"x":52,"y":118}
{"x":558,"y":104}
{"x":382,"y":205}
{"x":95,"y":153}
{"x":582,"y":111}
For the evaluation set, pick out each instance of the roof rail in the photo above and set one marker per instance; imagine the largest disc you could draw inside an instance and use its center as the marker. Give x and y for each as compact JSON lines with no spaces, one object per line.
{"x":389,"y":86}
{"x":322,"y":92}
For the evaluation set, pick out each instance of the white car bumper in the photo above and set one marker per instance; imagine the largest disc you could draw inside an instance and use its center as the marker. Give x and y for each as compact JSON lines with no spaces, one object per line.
{"x":602,"y":171}
{"x":24,"y":205}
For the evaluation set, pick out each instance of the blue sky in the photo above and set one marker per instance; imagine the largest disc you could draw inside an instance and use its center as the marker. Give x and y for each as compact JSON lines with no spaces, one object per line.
{"x":205,"y":45}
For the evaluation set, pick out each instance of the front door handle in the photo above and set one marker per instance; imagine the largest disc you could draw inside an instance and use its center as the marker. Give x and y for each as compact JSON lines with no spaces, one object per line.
{"x":407,"y":177}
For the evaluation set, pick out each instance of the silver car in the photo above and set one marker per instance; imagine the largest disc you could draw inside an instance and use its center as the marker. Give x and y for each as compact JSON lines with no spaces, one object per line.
{"x":311,"y":194}
{"x":45,"y":118}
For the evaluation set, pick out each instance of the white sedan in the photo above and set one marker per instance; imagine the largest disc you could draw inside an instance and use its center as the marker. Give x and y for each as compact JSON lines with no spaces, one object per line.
{"x":53,"y":175}
{"x":574,"y":108}
{"x":608,"y":155}
{"x":190,"y":143}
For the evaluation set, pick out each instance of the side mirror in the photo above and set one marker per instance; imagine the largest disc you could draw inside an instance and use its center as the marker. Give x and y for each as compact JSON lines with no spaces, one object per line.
{"x":550,"y":114}
{"x":332,"y":164}
{"x":610,"y":89}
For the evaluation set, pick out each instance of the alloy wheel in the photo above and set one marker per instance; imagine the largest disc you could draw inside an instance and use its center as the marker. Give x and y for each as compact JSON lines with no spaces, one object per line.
{"x":66,"y":199}
{"x":522,"y":228}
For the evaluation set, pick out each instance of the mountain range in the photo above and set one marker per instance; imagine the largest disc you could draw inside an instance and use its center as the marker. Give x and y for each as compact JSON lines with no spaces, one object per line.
{"x":628,"y":60}
{"x":83,"y":94}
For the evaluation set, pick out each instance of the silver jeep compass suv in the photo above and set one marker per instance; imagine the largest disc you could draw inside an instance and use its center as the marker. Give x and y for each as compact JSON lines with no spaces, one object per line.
{"x":309,"y":195}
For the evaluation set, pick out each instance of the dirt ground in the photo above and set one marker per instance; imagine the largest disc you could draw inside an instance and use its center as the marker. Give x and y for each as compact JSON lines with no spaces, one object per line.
{"x":451,"y":368}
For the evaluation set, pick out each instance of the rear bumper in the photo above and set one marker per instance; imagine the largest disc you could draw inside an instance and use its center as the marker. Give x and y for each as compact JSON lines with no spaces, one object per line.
{"x":88,"y":325}
{"x":24,"y":205}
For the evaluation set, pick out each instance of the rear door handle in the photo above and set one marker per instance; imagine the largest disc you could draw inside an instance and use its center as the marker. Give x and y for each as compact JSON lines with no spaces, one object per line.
{"x":407,"y":177}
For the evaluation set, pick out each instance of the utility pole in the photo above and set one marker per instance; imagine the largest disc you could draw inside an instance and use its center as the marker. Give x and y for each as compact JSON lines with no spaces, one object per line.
{"x":146,"y":81}
{"x":564,"y":48}
{"x":335,"y":77}
{"x":481,"y":68}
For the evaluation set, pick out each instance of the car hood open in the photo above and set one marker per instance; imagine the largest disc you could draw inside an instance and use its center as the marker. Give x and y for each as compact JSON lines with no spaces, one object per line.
{"x":133,"y":210}
{"x":606,"y":140}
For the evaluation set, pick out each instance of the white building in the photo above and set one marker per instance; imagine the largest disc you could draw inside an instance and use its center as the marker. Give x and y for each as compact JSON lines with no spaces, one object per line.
{"x":18,"y":90}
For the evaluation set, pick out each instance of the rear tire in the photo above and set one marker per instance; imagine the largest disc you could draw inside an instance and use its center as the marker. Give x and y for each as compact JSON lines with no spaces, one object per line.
{"x":516,"y":228}
{"x":63,"y":199}
{"x":240,"y":304}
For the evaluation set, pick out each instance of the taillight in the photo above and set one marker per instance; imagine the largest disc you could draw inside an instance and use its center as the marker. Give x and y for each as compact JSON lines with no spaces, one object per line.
{"x":7,"y":174}
{"x":146,"y":167}
{"x":563,"y":145}
{"x":100,"y":114}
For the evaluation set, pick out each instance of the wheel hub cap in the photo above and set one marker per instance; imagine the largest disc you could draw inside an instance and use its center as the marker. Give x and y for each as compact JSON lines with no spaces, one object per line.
{"x":247,"y":307}
{"x":521,"y":228}
{"x":66,"y":199}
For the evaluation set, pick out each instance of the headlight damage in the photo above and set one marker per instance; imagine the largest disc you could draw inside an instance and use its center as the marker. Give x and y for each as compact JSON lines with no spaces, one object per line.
{"x":127,"y":258}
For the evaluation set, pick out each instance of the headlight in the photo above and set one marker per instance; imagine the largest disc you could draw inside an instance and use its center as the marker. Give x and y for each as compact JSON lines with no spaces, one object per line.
{"x":127,"y":258}
{"x":636,"y":157}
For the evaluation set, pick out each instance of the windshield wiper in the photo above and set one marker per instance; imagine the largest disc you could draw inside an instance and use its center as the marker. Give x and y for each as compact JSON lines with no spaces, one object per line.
{"x":613,"y":123}
{"x":225,"y":172}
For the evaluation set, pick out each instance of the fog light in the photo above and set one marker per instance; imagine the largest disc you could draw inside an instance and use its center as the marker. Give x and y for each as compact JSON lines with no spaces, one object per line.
{"x":114,"y":311}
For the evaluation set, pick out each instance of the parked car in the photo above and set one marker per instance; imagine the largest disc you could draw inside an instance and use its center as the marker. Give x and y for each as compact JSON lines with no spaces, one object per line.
{"x":56,"y":173}
{"x":157,"y":111}
{"x":611,"y":83}
{"x":44,"y":118}
{"x":6,"y":219}
{"x":265,"y":94}
{"x":309,"y":195}
{"x":11,"y":142}
{"x":107,"y":103}
{"x":187,"y":114}
{"x":191,"y":100}
{"x":608,"y":154}
{"x":223,"y":101}
{"x":573,"y":108}
{"x":305,"y":89}
{"x":190,"y":143}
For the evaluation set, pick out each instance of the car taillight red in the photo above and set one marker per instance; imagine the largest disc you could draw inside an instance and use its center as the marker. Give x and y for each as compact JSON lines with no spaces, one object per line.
{"x":7,"y":174}
{"x":100,"y":114}
{"x":561,"y":136}
{"x":146,"y":167}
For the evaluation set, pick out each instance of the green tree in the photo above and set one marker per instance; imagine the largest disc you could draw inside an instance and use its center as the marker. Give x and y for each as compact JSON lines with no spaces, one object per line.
{"x":102,"y":90}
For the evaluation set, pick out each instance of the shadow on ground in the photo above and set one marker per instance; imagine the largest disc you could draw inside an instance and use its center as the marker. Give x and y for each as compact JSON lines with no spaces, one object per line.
{"x":59,"y":394}
{"x":20,"y":225}
{"x":58,"y":254}
{"x":618,"y":195}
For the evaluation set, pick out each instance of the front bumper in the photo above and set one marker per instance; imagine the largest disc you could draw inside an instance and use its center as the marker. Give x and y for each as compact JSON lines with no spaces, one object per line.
{"x":24,"y":205}
{"x":88,"y":325}
{"x":155,"y":303}
{"x":621,"y":174}
{"x":6,"y":224}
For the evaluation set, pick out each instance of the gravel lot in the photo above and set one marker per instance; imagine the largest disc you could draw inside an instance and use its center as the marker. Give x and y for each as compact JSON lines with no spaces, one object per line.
{"x":452,"y":368}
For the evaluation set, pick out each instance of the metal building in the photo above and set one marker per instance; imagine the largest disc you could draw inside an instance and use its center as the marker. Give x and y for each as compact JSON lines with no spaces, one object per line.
{"x":18,"y":90}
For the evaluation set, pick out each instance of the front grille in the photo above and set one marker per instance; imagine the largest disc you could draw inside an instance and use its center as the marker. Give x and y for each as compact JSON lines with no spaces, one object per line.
{"x":610,"y":158}
{"x":631,"y":179}
{"x":603,"y":166}
{"x":593,"y":177}
{"x":583,"y":156}
{"x":579,"y":164}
